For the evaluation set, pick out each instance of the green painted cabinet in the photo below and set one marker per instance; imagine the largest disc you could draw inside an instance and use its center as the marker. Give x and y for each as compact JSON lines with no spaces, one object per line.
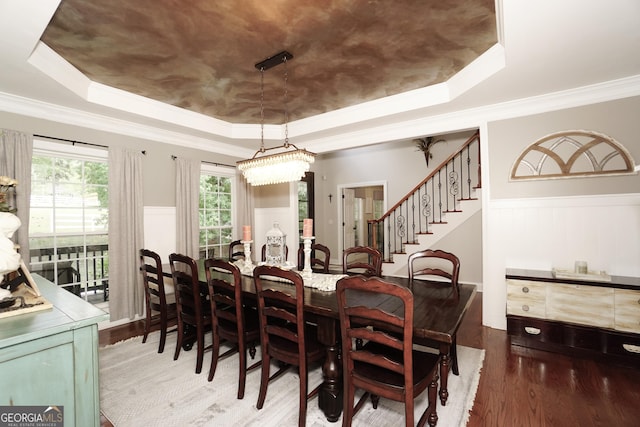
{"x":50,"y":357}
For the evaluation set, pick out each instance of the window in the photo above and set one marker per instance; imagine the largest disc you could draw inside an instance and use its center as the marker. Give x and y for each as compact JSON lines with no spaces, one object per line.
{"x":305,"y":199}
{"x":68,"y":224}
{"x":217,"y":215}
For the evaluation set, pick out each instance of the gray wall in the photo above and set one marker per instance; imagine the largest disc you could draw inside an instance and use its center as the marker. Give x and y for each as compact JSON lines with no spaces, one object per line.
{"x":618,"y":119}
{"x":402,"y":166}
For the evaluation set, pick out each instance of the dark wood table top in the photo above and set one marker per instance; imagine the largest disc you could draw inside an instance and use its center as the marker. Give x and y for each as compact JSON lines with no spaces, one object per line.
{"x":437,"y":312}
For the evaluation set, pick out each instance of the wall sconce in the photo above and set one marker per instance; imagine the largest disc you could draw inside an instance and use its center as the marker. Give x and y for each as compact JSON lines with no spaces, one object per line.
{"x":330,"y":196}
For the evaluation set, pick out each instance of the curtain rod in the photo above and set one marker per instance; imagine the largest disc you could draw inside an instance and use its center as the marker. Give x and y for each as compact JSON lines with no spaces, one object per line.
{"x":77,"y":142}
{"x":173,"y":157}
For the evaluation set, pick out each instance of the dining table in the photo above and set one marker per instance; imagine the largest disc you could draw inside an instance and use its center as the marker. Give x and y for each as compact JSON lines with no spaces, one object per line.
{"x":438,"y":313}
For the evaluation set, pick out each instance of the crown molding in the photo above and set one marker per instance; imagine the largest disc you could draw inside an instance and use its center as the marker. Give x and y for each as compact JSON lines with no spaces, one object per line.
{"x":56,"y":113}
{"x":475,"y":117}
{"x":340,"y":137}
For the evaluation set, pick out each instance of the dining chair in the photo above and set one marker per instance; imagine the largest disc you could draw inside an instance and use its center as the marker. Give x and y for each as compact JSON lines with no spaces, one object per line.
{"x":236,"y":251}
{"x":232,"y":320}
{"x":284,"y":335}
{"x":386,"y":365}
{"x":264,"y":253}
{"x":363,"y":260}
{"x":194,"y":311}
{"x":319,"y":261}
{"x":441,"y":265}
{"x":159,"y":297}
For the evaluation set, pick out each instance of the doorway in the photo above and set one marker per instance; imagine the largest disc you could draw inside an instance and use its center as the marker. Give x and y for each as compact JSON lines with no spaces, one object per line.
{"x":360,"y":203}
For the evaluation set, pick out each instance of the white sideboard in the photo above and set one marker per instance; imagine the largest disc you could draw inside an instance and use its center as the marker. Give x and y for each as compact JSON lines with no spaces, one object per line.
{"x":589,"y":318}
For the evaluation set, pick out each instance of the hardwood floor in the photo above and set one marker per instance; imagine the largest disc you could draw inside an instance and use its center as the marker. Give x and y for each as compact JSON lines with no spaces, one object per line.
{"x":522,"y":387}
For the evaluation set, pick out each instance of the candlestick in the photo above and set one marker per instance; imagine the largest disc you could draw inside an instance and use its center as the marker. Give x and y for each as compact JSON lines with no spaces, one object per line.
{"x":247,"y":253}
{"x":306,"y":271}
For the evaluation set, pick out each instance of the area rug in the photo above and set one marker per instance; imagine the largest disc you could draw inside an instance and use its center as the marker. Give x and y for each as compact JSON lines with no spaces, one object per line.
{"x":139,"y":387}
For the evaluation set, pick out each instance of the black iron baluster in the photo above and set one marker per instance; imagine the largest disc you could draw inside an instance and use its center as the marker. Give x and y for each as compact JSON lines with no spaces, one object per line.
{"x":468,"y":170}
{"x":453,"y":185}
{"x":413,"y":217}
{"x":440,"y":195}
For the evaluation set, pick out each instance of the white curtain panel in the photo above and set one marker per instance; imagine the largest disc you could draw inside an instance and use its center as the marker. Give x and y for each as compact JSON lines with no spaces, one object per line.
{"x":187,"y":204}
{"x":16,"y":152}
{"x":126,"y":233}
{"x":244,"y":204}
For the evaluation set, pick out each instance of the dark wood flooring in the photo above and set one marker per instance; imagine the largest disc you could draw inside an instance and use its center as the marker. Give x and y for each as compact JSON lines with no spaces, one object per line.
{"x":522,"y":387}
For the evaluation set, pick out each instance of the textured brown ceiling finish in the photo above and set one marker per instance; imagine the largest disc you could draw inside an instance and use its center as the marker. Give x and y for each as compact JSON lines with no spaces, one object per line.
{"x":200,"y":54}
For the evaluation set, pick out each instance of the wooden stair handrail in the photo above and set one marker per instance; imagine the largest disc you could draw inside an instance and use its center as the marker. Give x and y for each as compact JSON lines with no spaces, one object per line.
{"x":471,"y":139}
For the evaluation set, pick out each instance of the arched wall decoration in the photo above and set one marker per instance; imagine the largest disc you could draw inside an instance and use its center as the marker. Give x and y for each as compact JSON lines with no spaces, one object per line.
{"x":572,"y":154}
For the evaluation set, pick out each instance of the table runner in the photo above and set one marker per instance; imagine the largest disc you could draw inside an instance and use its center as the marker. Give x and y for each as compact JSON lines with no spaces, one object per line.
{"x":320,"y":281}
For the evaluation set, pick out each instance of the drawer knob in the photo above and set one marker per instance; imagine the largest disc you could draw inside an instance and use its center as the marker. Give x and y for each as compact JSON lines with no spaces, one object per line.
{"x":525,"y":289}
{"x":525,"y":308}
{"x":531,"y":330}
{"x":631,"y":348}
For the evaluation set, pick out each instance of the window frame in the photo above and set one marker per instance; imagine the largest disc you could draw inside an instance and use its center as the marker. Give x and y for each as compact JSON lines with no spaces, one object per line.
{"x":45,"y":148}
{"x":225,"y":172}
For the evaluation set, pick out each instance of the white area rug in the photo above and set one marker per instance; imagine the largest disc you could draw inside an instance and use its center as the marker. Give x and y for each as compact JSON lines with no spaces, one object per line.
{"x":139,"y":387}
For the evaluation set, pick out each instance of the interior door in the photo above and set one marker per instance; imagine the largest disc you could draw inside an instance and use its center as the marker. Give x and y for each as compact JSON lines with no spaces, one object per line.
{"x":348,"y":215}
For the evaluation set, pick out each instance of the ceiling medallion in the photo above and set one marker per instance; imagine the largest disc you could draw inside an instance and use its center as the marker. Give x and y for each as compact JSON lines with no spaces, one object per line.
{"x":287,"y":166}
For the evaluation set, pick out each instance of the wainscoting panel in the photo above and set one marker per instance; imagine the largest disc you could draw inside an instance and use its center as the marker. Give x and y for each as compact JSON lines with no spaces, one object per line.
{"x":546,"y":233}
{"x":160,"y":230}
{"x":264,"y":219}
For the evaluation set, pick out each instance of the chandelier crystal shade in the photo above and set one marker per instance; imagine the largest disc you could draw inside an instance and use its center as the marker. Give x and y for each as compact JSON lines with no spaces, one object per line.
{"x":287,"y":166}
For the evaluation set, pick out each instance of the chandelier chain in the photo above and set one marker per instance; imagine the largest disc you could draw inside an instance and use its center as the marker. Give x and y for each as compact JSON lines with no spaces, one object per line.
{"x":286,"y":166}
{"x":286,"y":110}
{"x":262,"y":149}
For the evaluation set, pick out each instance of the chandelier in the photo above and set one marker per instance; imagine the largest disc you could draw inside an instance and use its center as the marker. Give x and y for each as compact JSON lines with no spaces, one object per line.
{"x":289,"y":165}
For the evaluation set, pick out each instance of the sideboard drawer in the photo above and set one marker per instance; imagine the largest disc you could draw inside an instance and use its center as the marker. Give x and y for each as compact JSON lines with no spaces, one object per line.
{"x":624,"y":345}
{"x":627,"y":310}
{"x":526,"y":298}
{"x":584,"y":305}
{"x":534,"y":329}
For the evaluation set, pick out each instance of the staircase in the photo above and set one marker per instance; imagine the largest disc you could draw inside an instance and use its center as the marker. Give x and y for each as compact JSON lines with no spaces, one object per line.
{"x":397,"y":266}
{"x":444,"y":200}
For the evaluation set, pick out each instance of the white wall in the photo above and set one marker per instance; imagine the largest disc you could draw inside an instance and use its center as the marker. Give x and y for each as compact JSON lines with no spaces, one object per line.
{"x":552,"y":223}
{"x":542,"y":234}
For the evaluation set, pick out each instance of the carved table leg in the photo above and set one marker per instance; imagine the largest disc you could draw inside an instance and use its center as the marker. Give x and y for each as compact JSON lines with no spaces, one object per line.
{"x":433,"y":415}
{"x":330,"y":395}
{"x":444,"y":373}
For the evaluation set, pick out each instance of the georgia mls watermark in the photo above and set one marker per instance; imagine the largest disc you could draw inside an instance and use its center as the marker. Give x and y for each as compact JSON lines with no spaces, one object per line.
{"x":31,"y":416}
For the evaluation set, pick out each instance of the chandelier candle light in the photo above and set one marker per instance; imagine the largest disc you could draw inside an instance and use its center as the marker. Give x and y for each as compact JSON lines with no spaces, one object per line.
{"x":287,"y":166}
